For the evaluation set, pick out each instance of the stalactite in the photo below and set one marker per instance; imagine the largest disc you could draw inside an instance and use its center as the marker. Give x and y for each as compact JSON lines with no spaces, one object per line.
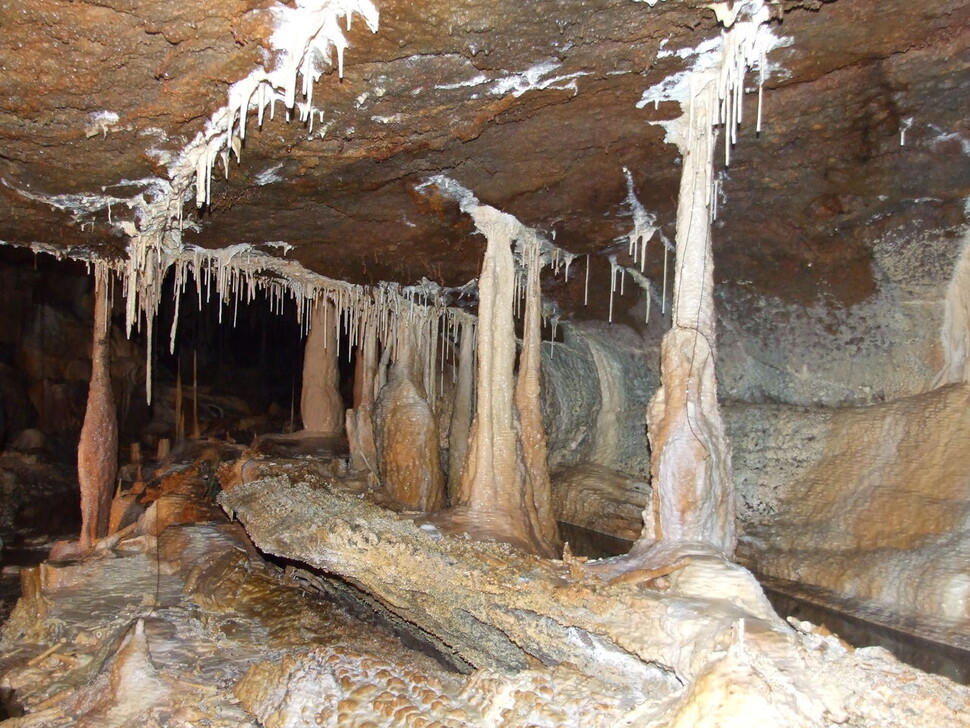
{"x":97,"y":451}
{"x":321,"y":406}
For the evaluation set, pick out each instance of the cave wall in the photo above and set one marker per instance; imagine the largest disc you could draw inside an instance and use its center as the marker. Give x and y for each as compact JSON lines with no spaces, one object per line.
{"x":868,"y":505}
{"x":885,"y":346}
{"x":595,"y":388}
{"x":45,"y":349}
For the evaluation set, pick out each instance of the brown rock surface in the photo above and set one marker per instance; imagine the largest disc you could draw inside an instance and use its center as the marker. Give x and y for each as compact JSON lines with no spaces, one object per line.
{"x":536,"y":111}
{"x":97,"y":451}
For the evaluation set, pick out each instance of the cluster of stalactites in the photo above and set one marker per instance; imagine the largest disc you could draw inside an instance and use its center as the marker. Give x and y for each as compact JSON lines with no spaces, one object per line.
{"x":238,"y":274}
{"x":305,"y":36}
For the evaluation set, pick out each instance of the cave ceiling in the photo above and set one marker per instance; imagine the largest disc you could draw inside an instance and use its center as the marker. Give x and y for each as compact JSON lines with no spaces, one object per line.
{"x":532,"y":105}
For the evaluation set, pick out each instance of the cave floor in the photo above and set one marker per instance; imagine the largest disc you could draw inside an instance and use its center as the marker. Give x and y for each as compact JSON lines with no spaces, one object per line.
{"x":168,"y":636}
{"x":190,"y":625}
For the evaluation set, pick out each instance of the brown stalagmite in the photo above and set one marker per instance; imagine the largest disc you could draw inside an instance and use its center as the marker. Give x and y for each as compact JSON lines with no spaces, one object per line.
{"x":494,"y":486}
{"x":321,"y":405}
{"x":97,"y":450}
{"x":693,"y":497}
{"x":461,"y":412}
{"x":538,"y":495}
{"x":360,"y":419}
{"x":407,"y":435}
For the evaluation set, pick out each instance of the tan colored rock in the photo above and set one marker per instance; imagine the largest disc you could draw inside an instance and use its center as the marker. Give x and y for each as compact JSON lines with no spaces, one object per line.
{"x":600,"y":499}
{"x":871,"y":505}
{"x":496,"y":498}
{"x":407,"y":437}
{"x":461,"y":411}
{"x":97,"y":450}
{"x":532,"y":433}
{"x":690,"y":470}
{"x":736,"y":664}
{"x":321,"y":405}
{"x":360,"y":419}
{"x":125,"y":510}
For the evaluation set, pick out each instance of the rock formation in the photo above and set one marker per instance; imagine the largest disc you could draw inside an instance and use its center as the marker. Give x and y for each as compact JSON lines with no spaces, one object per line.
{"x":690,"y":458}
{"x":461,"y":411}
{"x":527,"y":397}
{"x":866,"y":508}
{"x":279,"y":154}
{"x":496,"y":496}
{"x":97,"y":450}
{"x":360,"y":419}
{"x":407,"y":434}
{"x":321,"y":405}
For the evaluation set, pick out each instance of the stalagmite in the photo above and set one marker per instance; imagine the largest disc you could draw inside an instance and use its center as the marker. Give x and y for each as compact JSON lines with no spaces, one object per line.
{"x":538,"y":489}
{"x":407,"y":434}
{"x":97,"y":450}
{"x":360,"y":419}
{"x":321,"y":406}
{"x":461,"y":412}
{"x":495,"y":488}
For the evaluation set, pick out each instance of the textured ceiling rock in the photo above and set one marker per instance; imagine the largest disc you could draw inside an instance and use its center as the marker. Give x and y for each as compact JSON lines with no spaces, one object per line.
{"x":532,"y":105}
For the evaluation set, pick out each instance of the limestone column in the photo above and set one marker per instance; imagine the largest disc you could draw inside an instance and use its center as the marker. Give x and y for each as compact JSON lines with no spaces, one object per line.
{"x":693,"y":495}
{"x":538,"y":495}
{"x":360,"y":419}
{"x":461,"y":411}
{"x":97,"y":450}
{"x":494,"y":487}
{"x":321,"y":405}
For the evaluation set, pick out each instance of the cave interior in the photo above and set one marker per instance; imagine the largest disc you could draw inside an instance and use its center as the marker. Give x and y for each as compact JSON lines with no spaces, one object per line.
{"x":522,"y":363}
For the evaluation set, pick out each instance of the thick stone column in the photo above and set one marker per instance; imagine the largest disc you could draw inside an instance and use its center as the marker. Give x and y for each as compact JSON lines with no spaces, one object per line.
{"x":97,"y":450}
{"x":495,"y":492}
{"x":693,"y":497}
{"x":321,"y":405}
